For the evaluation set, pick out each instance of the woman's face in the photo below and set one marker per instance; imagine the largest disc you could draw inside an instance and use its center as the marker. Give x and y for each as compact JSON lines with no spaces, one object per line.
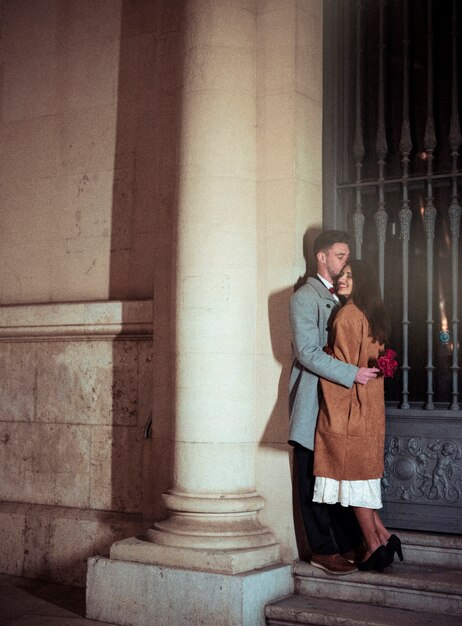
{"x":345,"y":282}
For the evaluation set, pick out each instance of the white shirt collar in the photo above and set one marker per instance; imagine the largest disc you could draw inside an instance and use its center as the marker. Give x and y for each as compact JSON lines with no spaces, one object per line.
{"x":325,"y":282}
{"x":329,"y":286}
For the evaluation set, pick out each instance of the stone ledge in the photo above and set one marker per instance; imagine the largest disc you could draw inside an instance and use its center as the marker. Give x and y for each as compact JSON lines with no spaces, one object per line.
{"x":64,"y":512}
{"x":226,"y":562}
{"x":77,"y":320}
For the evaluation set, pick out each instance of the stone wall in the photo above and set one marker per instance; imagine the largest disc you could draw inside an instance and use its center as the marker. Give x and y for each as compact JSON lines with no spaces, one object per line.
{"x":91,"y":113}
{"x":87,"y":181}
{"x":79,"y":138}
{"x":75,"y":464}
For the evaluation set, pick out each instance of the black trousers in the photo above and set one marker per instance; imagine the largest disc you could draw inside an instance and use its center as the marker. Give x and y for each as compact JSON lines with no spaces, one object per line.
{"x":329,"y":528}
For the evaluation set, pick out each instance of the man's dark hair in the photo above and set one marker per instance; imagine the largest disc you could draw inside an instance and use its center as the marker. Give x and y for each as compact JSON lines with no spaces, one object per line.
{"x":328,"y":238}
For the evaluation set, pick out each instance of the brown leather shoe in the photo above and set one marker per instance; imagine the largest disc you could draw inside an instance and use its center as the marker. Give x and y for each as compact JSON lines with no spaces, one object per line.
{"x":333,"y":563}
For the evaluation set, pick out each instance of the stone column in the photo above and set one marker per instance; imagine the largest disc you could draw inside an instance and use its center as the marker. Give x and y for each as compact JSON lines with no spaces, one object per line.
{"x":212,"y":506}
{"x":207,"y":562}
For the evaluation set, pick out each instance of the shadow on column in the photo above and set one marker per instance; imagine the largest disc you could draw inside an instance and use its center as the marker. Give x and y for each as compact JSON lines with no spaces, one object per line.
{"x":144,"y":225}
{"x":277,"y":428}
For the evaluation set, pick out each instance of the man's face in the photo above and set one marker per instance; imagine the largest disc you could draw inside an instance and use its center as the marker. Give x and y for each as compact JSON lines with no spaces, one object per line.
{"x":334,"y":259}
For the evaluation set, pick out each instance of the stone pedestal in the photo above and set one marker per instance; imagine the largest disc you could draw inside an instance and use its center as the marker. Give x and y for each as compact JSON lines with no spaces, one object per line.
{"x":128,"y":593}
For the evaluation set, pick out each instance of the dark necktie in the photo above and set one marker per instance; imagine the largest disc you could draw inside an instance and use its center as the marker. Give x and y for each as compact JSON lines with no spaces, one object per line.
{"x":331,"y":289}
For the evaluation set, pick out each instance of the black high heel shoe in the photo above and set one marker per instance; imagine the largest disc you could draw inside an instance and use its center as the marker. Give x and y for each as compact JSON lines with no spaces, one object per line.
{"x":394,"y":545}
{"x":378,"y":561}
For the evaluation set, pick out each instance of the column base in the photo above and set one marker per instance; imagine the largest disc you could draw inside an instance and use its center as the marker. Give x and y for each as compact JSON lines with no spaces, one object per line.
{"x":214,"y":560}
{"x":125,"y":592}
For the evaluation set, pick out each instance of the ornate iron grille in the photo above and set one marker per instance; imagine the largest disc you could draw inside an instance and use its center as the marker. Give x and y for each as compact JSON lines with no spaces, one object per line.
{"x":396,"y":184}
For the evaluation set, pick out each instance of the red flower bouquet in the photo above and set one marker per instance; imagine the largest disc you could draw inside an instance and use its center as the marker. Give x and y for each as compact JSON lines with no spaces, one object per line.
{"x":387,"y":363}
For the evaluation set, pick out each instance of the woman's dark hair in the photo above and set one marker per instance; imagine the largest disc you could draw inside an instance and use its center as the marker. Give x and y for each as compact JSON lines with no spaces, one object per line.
{"x":366,"y":295}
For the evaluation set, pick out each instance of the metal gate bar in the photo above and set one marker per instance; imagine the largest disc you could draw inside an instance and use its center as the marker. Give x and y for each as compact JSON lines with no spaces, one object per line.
{"x":405,"y":215}
{"x":358,"y":145}
{"x":429,"y":211}
{"x":381,"y":216}
{"x":454,"y":212}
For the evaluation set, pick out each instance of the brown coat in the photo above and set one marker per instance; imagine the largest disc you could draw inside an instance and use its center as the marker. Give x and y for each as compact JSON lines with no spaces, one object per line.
{"x":350,"y":431}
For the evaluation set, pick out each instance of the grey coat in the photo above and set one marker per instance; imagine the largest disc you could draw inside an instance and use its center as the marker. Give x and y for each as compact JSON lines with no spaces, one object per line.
{"x":311,"y":306}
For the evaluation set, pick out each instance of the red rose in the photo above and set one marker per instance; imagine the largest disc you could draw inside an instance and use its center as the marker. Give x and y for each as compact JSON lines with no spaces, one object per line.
{"x":387,"y":363}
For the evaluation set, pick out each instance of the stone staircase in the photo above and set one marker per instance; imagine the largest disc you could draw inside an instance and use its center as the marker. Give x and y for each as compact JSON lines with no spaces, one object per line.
{"x":424,"y":590}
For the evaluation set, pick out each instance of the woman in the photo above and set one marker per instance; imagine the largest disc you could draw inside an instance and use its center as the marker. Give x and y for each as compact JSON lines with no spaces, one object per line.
{"x":350,"y":433}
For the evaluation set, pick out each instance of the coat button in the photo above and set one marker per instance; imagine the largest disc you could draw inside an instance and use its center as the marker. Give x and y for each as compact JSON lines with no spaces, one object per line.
{"x":328,"y":306}
{"x":327,"y":328}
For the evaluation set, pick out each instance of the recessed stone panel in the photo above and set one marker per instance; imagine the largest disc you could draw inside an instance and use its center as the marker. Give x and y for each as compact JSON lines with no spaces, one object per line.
{"x":17,"y":383}
{"x":78,"y":377}
{"x":145,"y":381}
{"x":24,"y":75}
{"x":117,"y":468}
{"x":12,"y":525}
{"x":53,"y":543}
{"x":87,"y":72}
{"x":45,"y":464}
{"x":124,"y":382}
{"x":30,"y":148}
{"x":68,"y":559}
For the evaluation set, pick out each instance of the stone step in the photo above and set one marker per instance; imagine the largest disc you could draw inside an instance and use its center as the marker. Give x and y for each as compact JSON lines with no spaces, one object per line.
{"x":298,"y":609}
{"x":432,"y":549}
{"x":425,"y":588}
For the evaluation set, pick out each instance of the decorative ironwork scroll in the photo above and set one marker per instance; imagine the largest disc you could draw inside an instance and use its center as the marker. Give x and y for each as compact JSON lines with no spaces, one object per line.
{"x":358,"y":145}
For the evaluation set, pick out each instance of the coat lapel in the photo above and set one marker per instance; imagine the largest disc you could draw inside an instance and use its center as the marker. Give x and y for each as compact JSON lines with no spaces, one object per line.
{"x":321,"y":289}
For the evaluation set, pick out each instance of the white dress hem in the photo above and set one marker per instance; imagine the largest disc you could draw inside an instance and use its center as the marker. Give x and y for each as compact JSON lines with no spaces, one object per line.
{"x":361,"y":493}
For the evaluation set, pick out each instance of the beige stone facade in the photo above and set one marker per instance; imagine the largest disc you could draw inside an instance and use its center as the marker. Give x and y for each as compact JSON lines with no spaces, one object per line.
{"x":76,"y":394}
{"x":160,"y":166}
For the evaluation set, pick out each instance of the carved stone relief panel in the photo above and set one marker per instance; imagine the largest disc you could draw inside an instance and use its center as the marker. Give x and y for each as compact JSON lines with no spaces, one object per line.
{"x":423,"y":470}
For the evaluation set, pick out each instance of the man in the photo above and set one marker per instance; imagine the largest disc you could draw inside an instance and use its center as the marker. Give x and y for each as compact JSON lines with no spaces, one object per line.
{"x":331,"y":530}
